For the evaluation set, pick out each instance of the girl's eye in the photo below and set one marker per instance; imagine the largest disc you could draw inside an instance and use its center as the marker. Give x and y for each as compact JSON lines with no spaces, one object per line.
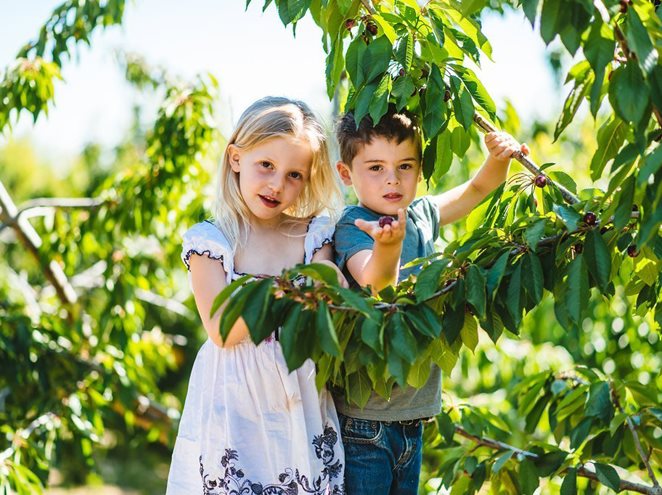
{"x":296,"y":175}
{"x":266,"y":164}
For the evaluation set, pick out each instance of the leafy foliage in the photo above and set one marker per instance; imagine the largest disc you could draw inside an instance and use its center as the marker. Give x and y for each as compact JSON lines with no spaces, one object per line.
{"x":79,"y":369}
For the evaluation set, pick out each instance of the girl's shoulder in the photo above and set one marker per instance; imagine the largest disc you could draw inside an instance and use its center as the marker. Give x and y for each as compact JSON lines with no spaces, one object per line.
{"x":319,"y":233}
{"x":206,"y":239}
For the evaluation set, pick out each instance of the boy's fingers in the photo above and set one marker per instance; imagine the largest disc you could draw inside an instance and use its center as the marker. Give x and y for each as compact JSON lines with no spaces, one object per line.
{"x":524,"y":148}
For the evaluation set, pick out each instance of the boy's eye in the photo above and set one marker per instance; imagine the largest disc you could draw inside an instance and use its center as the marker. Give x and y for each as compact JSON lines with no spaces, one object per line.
{"x":266,"y":164}
{"x":406,"y":166}
{"x":375,"y":168}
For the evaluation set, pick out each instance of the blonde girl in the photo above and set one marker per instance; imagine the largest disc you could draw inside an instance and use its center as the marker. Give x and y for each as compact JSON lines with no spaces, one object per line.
{"x":248,"y":425}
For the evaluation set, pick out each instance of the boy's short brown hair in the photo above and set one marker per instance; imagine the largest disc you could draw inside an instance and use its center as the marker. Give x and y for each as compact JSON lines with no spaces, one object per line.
{"x":394,"y":125}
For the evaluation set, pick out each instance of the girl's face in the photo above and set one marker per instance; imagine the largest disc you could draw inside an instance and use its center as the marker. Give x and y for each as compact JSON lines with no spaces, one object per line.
{"x":272,"y":174}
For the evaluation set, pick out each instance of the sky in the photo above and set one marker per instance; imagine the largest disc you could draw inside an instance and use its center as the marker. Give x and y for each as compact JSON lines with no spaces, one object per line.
{"x":250,"y":52}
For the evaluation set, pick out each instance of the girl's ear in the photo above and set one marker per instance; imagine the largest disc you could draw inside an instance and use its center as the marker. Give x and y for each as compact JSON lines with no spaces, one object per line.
{"x":345,"y":173}
{"x":233,"y":157}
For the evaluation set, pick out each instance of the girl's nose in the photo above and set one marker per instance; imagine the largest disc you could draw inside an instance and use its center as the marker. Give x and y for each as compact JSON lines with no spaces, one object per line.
{"x":276,"y":183}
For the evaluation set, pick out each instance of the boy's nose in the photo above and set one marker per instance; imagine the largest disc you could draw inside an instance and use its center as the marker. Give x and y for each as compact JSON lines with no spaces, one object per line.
{"x":393,"y":178}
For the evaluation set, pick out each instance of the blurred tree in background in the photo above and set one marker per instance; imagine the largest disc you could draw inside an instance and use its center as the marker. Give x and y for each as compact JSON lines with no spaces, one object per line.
{"x":98,"y":330}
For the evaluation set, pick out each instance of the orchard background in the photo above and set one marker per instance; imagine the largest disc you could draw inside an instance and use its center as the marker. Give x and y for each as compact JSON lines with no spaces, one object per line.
{"x":542,"y":308}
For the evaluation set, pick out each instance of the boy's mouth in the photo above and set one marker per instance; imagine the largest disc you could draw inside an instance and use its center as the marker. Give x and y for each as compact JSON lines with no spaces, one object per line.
{"x":394,"y":197}
{"x":268,"y":201}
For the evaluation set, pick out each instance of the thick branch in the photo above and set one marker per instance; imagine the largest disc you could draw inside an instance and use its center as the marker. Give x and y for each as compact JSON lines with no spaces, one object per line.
{"x":50,"y":203}
{"x":28,"y":236}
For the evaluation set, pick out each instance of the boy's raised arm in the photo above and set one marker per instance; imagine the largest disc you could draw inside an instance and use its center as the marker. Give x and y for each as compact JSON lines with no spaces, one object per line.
{"x":461,"y":200}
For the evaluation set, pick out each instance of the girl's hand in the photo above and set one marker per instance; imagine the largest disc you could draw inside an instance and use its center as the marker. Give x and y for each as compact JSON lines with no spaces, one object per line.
{"x":389,"y":234}
{"x":502,"y":146}
{"x":341,"y":277}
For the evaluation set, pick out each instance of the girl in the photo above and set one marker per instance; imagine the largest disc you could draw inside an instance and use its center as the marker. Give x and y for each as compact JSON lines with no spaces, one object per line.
{"x":248,"y":425}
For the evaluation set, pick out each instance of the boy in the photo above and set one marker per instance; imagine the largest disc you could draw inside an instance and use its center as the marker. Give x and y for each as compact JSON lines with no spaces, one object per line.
{"x":382,"y":441}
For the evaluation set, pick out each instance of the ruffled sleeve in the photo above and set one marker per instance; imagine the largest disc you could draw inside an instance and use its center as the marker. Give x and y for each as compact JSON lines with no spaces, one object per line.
{"x":320,"y":233}
{"x":205,"y":239}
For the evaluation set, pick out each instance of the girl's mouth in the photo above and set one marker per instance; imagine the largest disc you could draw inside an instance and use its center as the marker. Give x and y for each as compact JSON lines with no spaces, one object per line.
{"x":268,"y":201}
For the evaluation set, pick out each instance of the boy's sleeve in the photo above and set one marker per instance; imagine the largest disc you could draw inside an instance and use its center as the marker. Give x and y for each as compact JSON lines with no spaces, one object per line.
{"x":431,"y":209}
{"x":349,"y":240}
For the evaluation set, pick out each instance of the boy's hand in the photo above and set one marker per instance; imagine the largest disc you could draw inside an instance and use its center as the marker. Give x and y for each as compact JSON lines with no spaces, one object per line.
{"x":389,"y":234}
{"x":502,"y":146}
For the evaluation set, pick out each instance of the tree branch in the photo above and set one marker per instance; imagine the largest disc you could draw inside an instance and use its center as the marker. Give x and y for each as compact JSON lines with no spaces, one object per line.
{"x":528,"y":163}
{"x":581,"y":470}
{"x":28,"y":236}
{"x":637,"y":443}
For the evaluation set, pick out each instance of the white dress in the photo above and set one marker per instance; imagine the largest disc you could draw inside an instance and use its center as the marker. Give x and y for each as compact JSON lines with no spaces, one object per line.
{"x":248,"y":425}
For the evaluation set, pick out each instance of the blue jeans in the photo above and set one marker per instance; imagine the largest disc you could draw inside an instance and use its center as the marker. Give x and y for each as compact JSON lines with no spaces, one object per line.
{"x":381,"y":457}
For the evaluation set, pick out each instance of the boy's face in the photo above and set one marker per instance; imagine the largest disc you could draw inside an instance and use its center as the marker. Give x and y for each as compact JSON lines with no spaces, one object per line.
{"x":384,"y":174}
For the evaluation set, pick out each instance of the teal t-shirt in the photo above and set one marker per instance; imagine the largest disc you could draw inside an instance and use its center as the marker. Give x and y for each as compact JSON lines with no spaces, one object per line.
{"x":422,"y":231}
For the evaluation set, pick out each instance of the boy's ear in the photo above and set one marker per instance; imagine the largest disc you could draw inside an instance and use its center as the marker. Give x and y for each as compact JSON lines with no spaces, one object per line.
{"x":233,"y":157}
{"x":345,"y":173}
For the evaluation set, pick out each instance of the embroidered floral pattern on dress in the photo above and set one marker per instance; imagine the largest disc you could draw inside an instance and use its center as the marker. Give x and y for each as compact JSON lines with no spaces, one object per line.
{"x":290,"y":481}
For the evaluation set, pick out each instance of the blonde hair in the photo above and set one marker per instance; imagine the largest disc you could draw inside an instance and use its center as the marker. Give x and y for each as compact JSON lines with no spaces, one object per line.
{"x":265,"y":119}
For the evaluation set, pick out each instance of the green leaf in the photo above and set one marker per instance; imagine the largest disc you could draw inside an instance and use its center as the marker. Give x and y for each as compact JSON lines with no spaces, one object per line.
{"x":475,"y":287}
{"x":288,"y":337}
{"x":444,"y":156}
{"x":639,"y":41}
{"x":650,"y":165}
{"x":372,"y":334}
{"x":501,"y":460}
{"x":363,"y":101}
{"x":434,"y":116}
{"x":625,"y":200}
{"x":549,"y":20}
{"x":578,"y":289}
{"x":405,"y":51}
{"x":452,"y":321}
{"x":326,"y":331}
{"x":437,"y":26}
{"x":321,"y":272}
{"x":424,"y":320}
{"x":256,"y":310}
{"x":445,"y":426}
{"x":581,"y":88}
{"x":477,"y":90}
{"x":598,"y":258}
{"x":401,"y":339}
{"x":515,"y":295}
{"x":469,"y":332}
{"x":403,"y":87}
{"x":359,"y":388}
{"x":379,"y":103}
{"x":463,"y":105}
{"x":227,"y":291}
{"x":599,"y":51}
{"x":376,"y":59}
{"x":568,"y":216}
{"x":528,"y":477}
{"x":495,"y":274}
{"x":419,"y":373}
{"x":430,"y":157}
{"x":611,"y":136}
{"x":628,"y":93}
{"x":534,"y":233}
{"x":533,"y":278}
{"x":569,"y":485}
{"x":290,"y":11}
{"x":427,"y":281}
{"x":530,"y":8}
{"x":354,"y":61}
{"x":608,"y":476}
{"x":599,"y":402}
